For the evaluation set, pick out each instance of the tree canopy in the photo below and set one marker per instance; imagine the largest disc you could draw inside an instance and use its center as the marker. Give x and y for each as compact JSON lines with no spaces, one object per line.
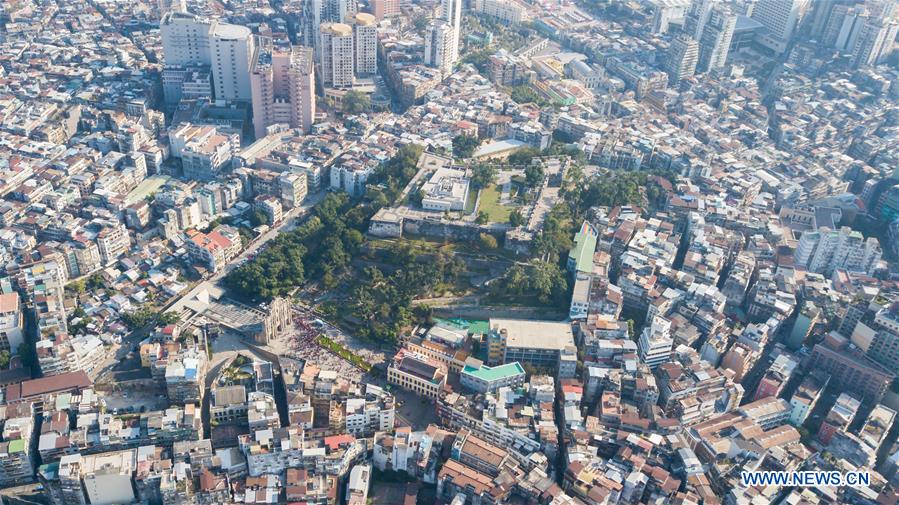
{"x":533,"y":175}
{"x":464,"y":145}
{"x":482,"y":175}
{"x":323,"y":246}
{"x":523,"y":156}
{"x":545,"y":280}
{"x":356,"y":102}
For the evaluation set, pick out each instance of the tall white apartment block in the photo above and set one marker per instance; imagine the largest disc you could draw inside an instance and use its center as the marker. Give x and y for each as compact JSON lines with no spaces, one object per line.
{"x":189,"y":40}
{"x":824,"y":250}
{"x":365,"y":33}
{"x":318,"y":12}
{"x":716,"y":36}
{"x":438,"y":46}
{"x":451,"y":11}
{"x":232,"y":51}
{"x":875,"y":42}
{"x":666,"y":12}
{"x":185,"y":39}
{"x":336,"y":57}
{"x":655,"y":343}
{"x":283,"y":89}
{"x":683,"y":54}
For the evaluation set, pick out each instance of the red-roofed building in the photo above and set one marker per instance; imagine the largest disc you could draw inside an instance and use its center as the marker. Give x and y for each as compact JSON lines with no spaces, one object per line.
{"x":35,"y":389}
{"x":214,"y":249}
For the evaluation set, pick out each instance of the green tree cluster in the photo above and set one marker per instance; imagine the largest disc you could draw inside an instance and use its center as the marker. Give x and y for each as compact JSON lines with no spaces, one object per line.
{"x":383,"y":303}
{"x":533,"y":175}
{"x":465,"y":145}
{"x":356,"y":102}
{"x":488,"y":241}
{"x":482,"y":175}
{"x":396,"y":172}
{"x":556,"y":237}
{"x":614,"y":188}
{"x":526,"y":94}
{"x":545,"y":280}
{"x":523,"y":156}
{"x":145,"y":316}
{"x":322,"y":247}
{"x":516,"y":219}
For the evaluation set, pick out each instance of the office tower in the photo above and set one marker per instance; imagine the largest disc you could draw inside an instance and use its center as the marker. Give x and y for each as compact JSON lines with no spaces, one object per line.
{"x":874,"y":42}
{"x":231,"y":49}
{"x":317,"y":12}
{"x":438,"y":46}
{"x":283,"y":88}
{"x":820,"y":15}
{"x":681,"y":58}
{"x":185,"y":39}
{"x":385,"y":8}
{"x":779,"y":18}
{"x":336,"y":56}
{"x":667,"y":12}
{"x":365,"y":34}
{"x":715,"y":42}
{"x":191,"y":43}
{"x":697,"y":16}
{"x":451,"y":11}
{"x":843,"y":27}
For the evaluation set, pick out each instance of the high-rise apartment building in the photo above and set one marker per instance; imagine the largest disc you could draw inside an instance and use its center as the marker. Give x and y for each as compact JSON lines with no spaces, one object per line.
{"x":874,"y":42}
{"x":318,"y":12}
{"x":438,"y":46}
{"x":779,"y":18}
{"x":714,"y":44}
{"x":451,"y":11}
{"x":365,"y":35}
{"x":193,"y":41}
{"x":697,"y":16}
{"x":185,"y":39}
{"x":231,"y":51}
{"x":682,"y":58}
{"x":824,"y":250}
{"x":336,"y":56}
{"x":655,"y":343}
{"x":667,"y":12}
{"x":283,"y":88}
{"x":884,"y":347}
{"x":385,"y":8}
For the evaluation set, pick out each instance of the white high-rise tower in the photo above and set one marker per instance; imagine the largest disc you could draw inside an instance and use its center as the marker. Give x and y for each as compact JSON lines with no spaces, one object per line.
{"x":438,"y":46}
{"x":365,"y":34}
{"x":336,"y":56}
{"x":451,"y":11}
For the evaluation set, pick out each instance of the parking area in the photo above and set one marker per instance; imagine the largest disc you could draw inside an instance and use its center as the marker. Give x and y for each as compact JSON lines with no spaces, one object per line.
{"x":136,"y":399}
{"x":413,"y":410}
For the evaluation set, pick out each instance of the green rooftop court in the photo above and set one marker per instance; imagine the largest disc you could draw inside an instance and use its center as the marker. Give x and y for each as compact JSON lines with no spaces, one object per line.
{"x":15,"y":446}
{"x":580,"y":258}
{"x":473,"y":326}
{"x":494,"y":373}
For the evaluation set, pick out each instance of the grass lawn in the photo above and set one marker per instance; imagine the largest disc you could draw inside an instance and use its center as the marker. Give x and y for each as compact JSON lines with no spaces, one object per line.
{"x":496,"y":212}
